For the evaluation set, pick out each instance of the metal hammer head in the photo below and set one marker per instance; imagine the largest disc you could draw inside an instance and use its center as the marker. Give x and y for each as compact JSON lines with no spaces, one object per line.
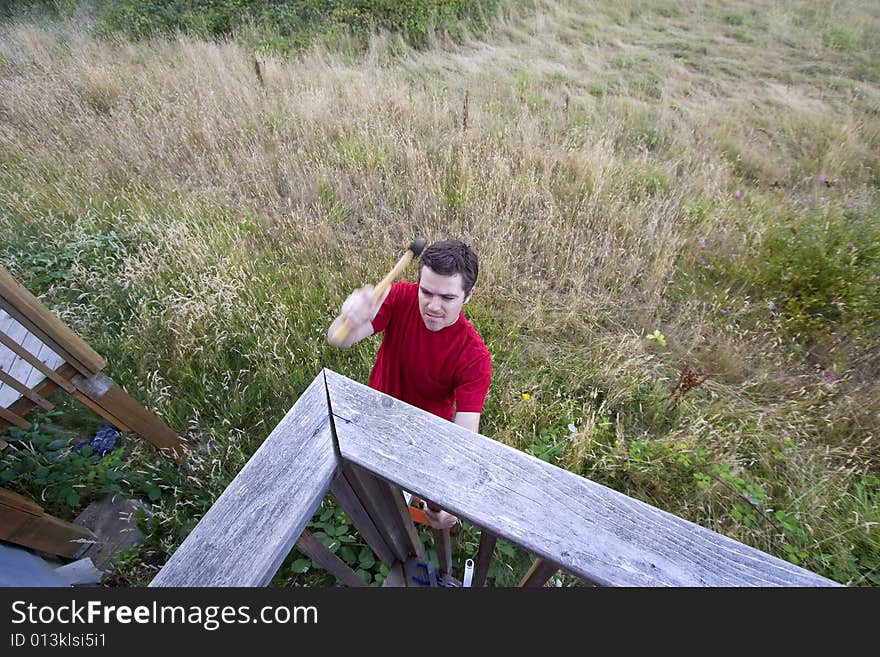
{"x":417,"y":246}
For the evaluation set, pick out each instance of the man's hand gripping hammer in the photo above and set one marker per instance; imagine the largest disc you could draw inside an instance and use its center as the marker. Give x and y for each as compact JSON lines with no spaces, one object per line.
{"x":414,"y":251}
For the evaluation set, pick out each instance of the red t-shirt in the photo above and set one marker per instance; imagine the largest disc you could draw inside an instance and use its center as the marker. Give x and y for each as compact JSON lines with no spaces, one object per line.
{"x":441,"y":372}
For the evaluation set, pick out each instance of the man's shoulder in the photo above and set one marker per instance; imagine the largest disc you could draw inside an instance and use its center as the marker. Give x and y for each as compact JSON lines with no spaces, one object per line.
{"x":474,"y":341}
{"x":404,"y":291}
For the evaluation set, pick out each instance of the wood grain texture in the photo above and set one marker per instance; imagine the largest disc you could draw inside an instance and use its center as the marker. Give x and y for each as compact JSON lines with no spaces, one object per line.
{"x":443,"y":547}
{"x":24,"y":390}
{"x":540,"y":571}
{"x":484,"y":558}
{"x":345,"y":497}
{"x":245,"y":536}
{"x":44,"y":360}
{"x":12,"y":418}
{"x":104,"y":392}
{"x":29,"y":311}
{"x":385,"y":504}
{"x":23,"y":525}
{"x":587,"y":529}
{"x":324,"y":557}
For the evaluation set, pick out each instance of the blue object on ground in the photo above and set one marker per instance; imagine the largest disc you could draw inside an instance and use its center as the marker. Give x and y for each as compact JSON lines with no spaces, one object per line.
{"x":102,"y":442}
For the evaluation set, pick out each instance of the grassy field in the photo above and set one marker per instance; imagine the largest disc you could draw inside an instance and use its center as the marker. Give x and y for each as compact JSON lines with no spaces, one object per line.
{"x":653,"y":187}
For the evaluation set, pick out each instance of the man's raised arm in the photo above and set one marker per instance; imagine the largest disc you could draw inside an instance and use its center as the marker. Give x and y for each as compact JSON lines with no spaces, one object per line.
{"x":355,"y":318}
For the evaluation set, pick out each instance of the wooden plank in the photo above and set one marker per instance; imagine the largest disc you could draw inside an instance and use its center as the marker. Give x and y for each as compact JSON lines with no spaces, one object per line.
{"x":24,"y":390}
{"x":37,"y":362}
{"x":44,"y":532}
{"x":46,"y":364}
{"x":386,"y":506}
{"x":442,"y":545}
{"x":587,"y":529}
{"x":12,"y":418}
{"x":395,"y":577}
{"x":34,"y":316}
{"x":101,"y":389}
{"x":245,"y":536}
{"x":15,"y":500}
{"x":321,"y":555}
{"x":346,"y":498}
{"x":484,"y":558}
{"x":538,"y":574}
{"x":9,"y":360}
{"x":24,"y":405}
{"x":103,"y":412}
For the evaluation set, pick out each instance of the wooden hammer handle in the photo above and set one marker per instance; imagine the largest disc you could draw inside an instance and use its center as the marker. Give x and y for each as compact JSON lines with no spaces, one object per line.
{"x":345,"y":328}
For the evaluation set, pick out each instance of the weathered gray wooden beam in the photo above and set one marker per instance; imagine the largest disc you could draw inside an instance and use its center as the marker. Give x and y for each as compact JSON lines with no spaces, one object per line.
{"x":250,"y":529}
{"x":443,"y":547}
{"x":484,"y":558}
{"x":541,"y":571}
{"x":585,"y":528}
{"x":395,"y":577}
{"x":324,"y":557}
{"x":345,"y":497}
{"x":386,"y":506}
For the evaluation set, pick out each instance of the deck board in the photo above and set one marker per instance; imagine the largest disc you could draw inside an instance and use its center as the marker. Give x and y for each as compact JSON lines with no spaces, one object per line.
{"x":18,"y":367}
{"x":593,"y":531}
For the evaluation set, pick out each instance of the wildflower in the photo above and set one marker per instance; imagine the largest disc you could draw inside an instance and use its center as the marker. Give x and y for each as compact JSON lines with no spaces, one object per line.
{"x":772,"y":306}
{"x":850,"y":245}
{"x":572,"y":428}
{"x":702,"y":245}
{"x":830,"y":376}
{"x":526,"y":396}
{"x":725,"y":311}
{"x":821,"y":178}
{"x":737,"y":194}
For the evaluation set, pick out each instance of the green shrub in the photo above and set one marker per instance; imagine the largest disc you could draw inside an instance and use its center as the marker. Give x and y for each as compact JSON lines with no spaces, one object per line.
{"x":822,"y":270}
{"x":294,"y":25}
{"x":816,"y":275}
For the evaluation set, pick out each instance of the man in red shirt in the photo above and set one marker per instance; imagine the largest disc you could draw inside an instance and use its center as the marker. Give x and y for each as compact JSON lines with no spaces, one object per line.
{"x":430,"y":357}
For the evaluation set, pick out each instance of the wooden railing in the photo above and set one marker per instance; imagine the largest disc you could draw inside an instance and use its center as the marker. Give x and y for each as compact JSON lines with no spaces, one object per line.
{"x":39,"y":353}
{"x":362,"y":447}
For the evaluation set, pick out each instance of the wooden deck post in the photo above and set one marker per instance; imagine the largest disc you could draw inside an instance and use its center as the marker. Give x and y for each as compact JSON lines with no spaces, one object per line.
{"x":484,"y":558}
{"x":539,"y":573}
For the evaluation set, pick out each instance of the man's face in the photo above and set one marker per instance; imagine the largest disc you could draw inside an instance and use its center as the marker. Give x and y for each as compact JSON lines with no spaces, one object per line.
{"x":440,"y":298}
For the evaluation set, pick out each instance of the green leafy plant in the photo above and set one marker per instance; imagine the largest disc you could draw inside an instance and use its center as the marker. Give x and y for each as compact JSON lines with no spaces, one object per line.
{"x":41,"y":464}
{"x":658,"y":337}
{"x":547,"y":446}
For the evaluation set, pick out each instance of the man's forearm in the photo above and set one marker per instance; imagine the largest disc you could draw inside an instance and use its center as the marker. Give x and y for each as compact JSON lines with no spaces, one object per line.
{"x":470,"y":421}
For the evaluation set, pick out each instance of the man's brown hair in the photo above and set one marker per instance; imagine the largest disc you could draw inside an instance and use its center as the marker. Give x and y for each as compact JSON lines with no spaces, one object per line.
{"x":451,"y":257}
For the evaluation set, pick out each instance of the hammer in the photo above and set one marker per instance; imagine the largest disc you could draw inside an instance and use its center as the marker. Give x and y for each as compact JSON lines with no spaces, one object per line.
{"x":414,"y":250}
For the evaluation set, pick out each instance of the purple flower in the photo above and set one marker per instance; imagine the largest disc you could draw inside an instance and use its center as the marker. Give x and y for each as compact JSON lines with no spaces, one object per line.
{"x":830,"y":376}
{"x":737,"y":194}
{"x":702,"y":245}
{"x":772,"y":306}
{"x":821,"y":178}
{"x":850,"y":245}
{"x":725,"y":311}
